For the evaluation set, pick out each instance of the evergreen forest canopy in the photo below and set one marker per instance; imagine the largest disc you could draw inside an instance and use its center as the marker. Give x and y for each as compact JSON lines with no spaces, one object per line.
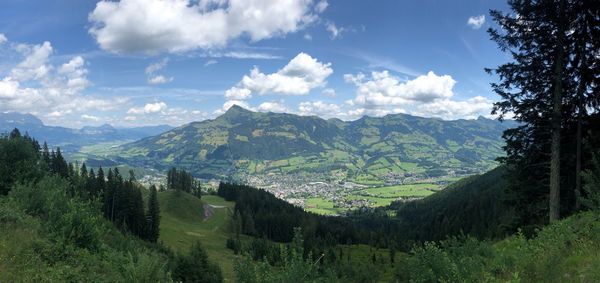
{"x":535,"y":218}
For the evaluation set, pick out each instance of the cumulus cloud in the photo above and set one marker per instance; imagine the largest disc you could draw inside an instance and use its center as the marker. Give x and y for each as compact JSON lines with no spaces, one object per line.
{"x":273,"y":106}
{"x":34,"y":84}
{"x":236,"y":93}
{"x":319,"y":108}
{"x":384,"y":89}
{"x":449,"y":109}
{"x":149,"y":108}
{"x":302,"y":74}
{"x":428,"y":95}
{"x":3,"y":38}
{"x":152,"y":26}
{"x":476,"y":22}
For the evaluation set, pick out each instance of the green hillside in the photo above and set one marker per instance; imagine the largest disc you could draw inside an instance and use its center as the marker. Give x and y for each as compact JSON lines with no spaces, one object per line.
{"x":369,"y":150}
{"x":183,"y":222}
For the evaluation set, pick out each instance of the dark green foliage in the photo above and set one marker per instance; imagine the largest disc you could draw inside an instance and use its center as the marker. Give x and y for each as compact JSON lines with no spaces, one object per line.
{"x":550,"y":85}
{"x":264,"y":215}
{"x":591,"y":185}
{"x":293,"y":267}
{"x":54,"y":229}
{"x":18,"y":161}
{"x":181,"y":180}
{"x":562,"y":252}
{"x":153,"y":216}
{"x":195,"y":267}
{"x":472,"y":206}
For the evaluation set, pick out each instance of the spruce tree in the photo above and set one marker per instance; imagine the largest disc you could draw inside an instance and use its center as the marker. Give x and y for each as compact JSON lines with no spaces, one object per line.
{"x":539,"y":86}
{"x":153,"y":216}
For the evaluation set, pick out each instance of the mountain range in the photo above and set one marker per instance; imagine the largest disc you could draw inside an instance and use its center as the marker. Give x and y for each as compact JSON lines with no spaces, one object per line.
{"x":368,"y":150}
{"x":72,"y":139}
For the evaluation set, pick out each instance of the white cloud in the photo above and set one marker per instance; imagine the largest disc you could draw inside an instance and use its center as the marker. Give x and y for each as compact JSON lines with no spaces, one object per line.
{"x":334,"y":30}
{"x":273,"y":106}
{"x":49,"y":91}
{"x":154,"y":78}
{"x":3,"y":38}
{"x":384,"y":89}
{"x":90,"y":118}
{"x":160,"y":79}
{"x":229,"y":103}
{"x":149,"y":108}
{"x":34,"y":66}
{"x":130,"y":118}
{"x":329,"y":92}
{"x":307,"y":36}
{"x":210,"y":62}
{"x":8,"y":88}
{"x":153,"y":68}
{"x":302,"y":74}
{"x":319,"y":108}
{"x":450,"y":110}
{"x":152,"y":26}
{"x":321,"y":6}
{"x":427,"y":95}
{"x":236,"y":93}
{"x":476,"y":22}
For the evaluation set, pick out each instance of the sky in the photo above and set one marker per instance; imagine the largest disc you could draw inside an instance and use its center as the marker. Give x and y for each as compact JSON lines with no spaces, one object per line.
{"x":148,"y":62}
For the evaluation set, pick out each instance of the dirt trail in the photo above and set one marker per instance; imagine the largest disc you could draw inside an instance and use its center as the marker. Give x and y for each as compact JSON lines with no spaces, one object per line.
{"x":209,"y":210}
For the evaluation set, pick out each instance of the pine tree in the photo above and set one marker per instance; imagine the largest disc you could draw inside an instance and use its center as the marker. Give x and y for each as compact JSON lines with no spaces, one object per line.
{"x":153,"y":216}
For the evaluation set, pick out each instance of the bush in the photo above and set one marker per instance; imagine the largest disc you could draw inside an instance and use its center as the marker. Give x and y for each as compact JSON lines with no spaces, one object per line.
{"x":195,"y":267}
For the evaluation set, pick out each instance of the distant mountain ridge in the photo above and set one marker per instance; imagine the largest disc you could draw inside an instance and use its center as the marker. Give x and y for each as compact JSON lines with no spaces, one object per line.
{"x":72,"y":139}
{"x":242,"y":142}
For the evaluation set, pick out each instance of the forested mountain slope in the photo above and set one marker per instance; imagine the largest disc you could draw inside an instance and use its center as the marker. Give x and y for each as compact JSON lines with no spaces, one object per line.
{"x":245,"y":142}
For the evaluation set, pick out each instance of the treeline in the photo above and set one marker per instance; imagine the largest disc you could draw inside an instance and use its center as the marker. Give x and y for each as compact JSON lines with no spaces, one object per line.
{"x":61,"y":222}
{"x":180,"y":180}
{"x":121,"y":199}
{"x":261,"y":214}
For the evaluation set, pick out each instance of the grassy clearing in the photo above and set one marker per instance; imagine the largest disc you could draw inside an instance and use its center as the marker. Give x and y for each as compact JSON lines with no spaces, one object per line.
{"x":321,"y":206}
{"x":412,"y":190}
{"x":183,"y":223}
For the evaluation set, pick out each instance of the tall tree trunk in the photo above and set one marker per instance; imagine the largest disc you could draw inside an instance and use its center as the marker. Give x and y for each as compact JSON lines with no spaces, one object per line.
{"x":556,"y":121}
{"x":578,"y":166}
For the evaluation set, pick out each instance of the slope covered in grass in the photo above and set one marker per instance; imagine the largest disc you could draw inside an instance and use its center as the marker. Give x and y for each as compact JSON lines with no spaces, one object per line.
{"x":566,"y":251}
{"x":183,"y":222}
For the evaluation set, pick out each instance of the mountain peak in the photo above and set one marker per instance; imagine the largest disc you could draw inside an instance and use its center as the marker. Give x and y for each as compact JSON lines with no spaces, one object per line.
{"x":237,"y":109}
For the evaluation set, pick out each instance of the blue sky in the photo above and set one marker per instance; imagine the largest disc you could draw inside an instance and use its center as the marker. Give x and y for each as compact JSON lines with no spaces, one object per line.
{"x":145,"y":62}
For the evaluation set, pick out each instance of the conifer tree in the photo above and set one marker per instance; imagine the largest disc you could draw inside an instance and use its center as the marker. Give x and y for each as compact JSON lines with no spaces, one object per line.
{"x":153,"y":216}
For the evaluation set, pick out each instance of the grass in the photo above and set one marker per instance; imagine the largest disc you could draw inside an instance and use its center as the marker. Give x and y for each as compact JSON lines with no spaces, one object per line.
{"x":321,"y":206}
{"x":412,"y":190}
{"x":183,"y":223}
{"x":382,"y":196}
